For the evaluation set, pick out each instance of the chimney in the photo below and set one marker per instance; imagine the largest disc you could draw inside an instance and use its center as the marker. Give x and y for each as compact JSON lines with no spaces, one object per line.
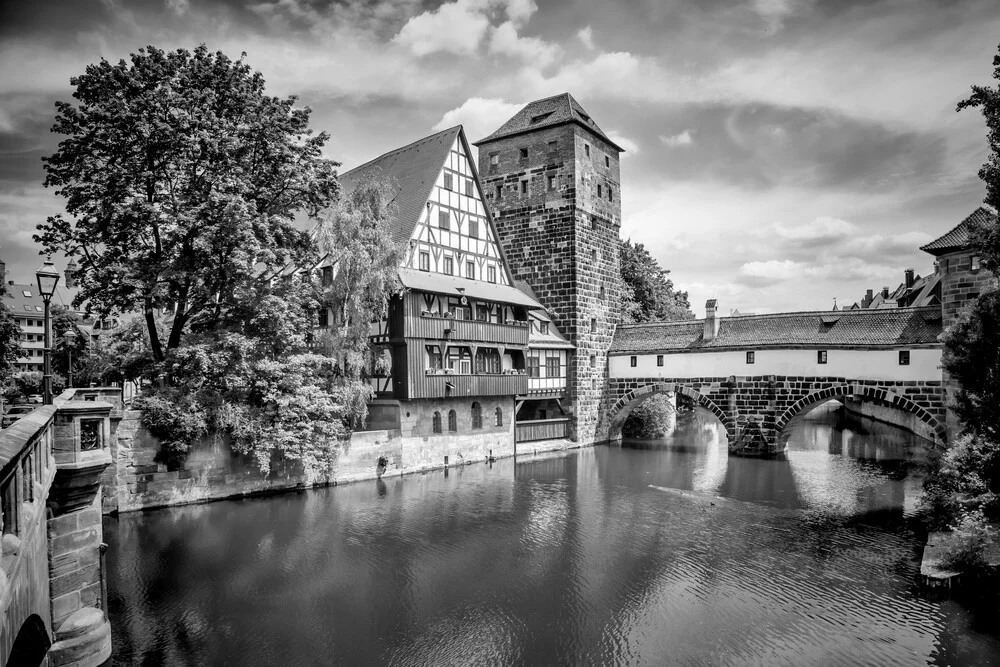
{"x":885,"y":292}
{"x":909,"y":278}
{"x":711,"y":320}
{"x":71,"y":274}
{"x":867,"y":301}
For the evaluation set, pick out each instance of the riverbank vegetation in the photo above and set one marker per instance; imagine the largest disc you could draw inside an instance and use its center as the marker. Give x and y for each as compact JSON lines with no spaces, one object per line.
{"x":962,"y":493}
{"x":183,"y":183}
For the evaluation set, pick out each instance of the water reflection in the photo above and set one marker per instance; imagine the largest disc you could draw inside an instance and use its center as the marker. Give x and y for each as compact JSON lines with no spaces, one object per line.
{"x":670,"y":554}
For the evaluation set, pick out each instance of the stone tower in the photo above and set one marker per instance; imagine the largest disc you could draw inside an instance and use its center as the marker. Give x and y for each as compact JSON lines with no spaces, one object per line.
{"x":552,"y":181}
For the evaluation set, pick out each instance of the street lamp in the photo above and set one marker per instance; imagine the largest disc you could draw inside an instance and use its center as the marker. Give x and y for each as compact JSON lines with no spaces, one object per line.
{"x":70,"y":338}
{"x":47,"y":277}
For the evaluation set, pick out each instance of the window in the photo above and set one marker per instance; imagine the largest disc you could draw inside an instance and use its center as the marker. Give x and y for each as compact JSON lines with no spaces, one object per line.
{"x":436,"y":421}
{"x":26,"y":293}
{"x":491,"y":274}
{"x":324,"y":317}
{"x":448,"y":181}
{"x":659,"y":360}
{"x":750,"y":357}
{"x":593,"y":361}
{"x":482,"y":313}
{"x":425,"y":261}
{"x":494,"y":159}
{"x":975,"y":263}
{"x":600,"y":293}
{"x":468,"y":187}
{"x":499,"y":416}
{"x":477,"y":415}
{"x":586,"y":150}
{"x":533,"y":366}
{"x":821,"y":356}
{"x":327,"y":276}
{"x":452,"y":421}
{"x":553,"y":146}
{"x":633,"y":361}
{"x":524,"y":187}
{"x":449,"y":266}
{"x":522,"y":154}
{"x":470,"y":269}
{"x":433,"y":356}
{"x":541,"y":414}
{"x":499,"y":191}
{"x":473,"y":228}
{"x":593,"y":325}
{"x":553,"y":368}
{"x":607,"y":161}
{"x":904,"y":357}
{"x":444,"y":220}
{"x":598,"y":190}
{"x":544,"y":327}
{"x":552,"y":183}
{"x":611,"y":196}
{"x":593,"y":254}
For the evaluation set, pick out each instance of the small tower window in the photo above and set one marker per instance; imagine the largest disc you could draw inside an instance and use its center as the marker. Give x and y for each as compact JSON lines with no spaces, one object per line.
{"x":593,"y":361}
{"x":593,"y":254}
{"x":599,"y":191}
{"x":552,"y":183}
{"x":553,"y":146}
{"x":607,"y":161}
{"x":611,"y":195}
{"x":593,"y":325}
{"x":498,"y":192}
{"x":586,"y":150}
{"x":750,"y":357}
{"x":524,"y":187}
{"x":523,"y":154}
{"x":904,"y":357}
{"x":975,"y":263}
{"x":600,"y":293}
{"x":494,"y":160}
{"x":820,"y":356}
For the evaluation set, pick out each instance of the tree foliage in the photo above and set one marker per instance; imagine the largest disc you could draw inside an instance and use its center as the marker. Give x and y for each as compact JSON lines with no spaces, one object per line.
{"x":972,"y":357}
{"x":181,"y":179}
{"x":649,"y":294}
{"x":653,"y":418}
{"x":10,"y":337}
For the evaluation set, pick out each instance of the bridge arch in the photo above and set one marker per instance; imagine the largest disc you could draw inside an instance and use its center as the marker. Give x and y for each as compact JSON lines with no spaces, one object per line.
{"x":866,"y":393}
{"x":623,"y":406}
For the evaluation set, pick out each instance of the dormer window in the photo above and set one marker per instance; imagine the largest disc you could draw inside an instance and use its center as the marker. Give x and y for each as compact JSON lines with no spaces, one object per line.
{"x":544,"y":327}
{"x":540,"y":117}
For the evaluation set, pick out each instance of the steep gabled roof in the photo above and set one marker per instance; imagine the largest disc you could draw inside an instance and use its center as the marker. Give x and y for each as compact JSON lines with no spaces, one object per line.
{"x":891,"y":327}
{"x":413,"y":169}
{"x":960,"y":237}
{"x":549,"y":112}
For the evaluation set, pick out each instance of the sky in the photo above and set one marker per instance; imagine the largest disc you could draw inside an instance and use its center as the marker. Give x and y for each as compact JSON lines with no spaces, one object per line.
{"x":780,"y":154}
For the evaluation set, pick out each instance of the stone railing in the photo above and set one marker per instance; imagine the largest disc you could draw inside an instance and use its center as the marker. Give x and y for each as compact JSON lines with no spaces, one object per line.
{"x":52,"y":589}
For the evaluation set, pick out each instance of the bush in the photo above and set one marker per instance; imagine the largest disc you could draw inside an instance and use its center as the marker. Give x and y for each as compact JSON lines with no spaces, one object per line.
{"x":972,"y":534}
{"x":959,"y":485}
{"x":653,"y":418}
{"x":177,"y":421}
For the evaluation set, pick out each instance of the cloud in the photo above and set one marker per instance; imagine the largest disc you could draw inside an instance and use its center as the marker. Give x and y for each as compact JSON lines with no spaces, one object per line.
{"x":519,"y":11}
{"x":480,"y":116}
{"x":675,"y":140}
{"x":773,"y":272}
{"x":630,"y":146}
{"x":586,"y":37}
{"x":506,"y":41}
{"x":774,"y":12}
{"x":177,"y":6}
{"x":822,"y":229}
{"x":454,"y":27}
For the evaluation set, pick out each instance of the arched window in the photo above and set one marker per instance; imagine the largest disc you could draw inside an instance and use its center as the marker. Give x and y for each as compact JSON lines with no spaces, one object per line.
{"x":499,"y":416}
{"x":437,"y":422}
{"x":452,"y":421}
{"x":477,"y":415}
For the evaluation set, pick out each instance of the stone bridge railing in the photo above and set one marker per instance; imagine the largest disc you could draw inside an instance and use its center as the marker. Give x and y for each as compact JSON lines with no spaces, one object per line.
{"x":52,"y":590}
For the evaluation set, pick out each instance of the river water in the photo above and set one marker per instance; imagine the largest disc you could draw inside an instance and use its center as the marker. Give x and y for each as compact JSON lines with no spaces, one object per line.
{"x":661,"y":553}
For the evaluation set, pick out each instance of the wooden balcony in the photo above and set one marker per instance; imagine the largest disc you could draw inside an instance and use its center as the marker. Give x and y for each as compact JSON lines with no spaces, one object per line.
{"x":437,"y":386}
{"x":542,"y":429}
{"x":434,"y":328}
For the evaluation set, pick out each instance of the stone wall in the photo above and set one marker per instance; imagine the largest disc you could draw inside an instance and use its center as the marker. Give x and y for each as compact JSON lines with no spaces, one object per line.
{"x":960,"y":285}
{"x":564,"y":242}
{"x":211,"y":471}
{"x":880,"y":413}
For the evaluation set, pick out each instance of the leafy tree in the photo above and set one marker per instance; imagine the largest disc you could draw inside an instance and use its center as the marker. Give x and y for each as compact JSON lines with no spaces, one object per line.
{"x":972,"y":357}
{"x":649,"y":295}
{"x":651,"y":419}
{"x":10,"y":336}
{"x":182,"y":179}
{"x":63,"y":320}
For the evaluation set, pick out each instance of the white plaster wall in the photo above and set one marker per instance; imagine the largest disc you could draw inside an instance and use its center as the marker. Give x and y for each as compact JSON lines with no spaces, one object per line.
{"x":855,"y":364}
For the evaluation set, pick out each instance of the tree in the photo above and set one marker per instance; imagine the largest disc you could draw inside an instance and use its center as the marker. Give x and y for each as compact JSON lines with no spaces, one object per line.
{"x":63,"y":320}
{"x":10,"y":336}
{"x":652,"y":419}
{"x":649,"y":294}
{"x":972,"y":357}
{"x":182,"y":179}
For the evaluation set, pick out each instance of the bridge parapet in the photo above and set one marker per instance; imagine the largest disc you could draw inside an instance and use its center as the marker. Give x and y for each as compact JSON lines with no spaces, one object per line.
{"x":52,"y":588}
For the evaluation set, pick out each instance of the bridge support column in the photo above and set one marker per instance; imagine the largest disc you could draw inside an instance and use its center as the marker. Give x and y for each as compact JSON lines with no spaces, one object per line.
{"x":79,"y":620}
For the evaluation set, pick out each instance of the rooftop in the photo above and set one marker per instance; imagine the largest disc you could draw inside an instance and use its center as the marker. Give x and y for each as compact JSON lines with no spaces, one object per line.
{"x":549,"y":112}
{"x":960,"y":236}
{"x":845,"y":328}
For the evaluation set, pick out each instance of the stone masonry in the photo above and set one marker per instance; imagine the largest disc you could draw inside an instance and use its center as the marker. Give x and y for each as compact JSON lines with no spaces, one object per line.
{"x":562,"y":238}
{"x":771,"y":401}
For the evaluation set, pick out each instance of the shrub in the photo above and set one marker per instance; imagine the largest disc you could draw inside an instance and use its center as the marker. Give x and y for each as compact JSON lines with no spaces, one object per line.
{"x":972,"y":536}
{"x":651,"y":419}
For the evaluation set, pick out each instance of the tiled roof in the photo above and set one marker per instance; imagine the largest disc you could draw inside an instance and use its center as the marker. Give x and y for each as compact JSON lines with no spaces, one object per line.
{"x":549,"y":112}
{"x":24,"y":299}
{"x":439,"y":283}
{"x":959,"y":237}
{"x":845,"y":328}
{"x":413,"y":169}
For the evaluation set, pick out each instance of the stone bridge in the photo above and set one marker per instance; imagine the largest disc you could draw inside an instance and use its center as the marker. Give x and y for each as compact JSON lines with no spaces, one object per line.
{"x":755,"y":373}
{"x":52,"y":589}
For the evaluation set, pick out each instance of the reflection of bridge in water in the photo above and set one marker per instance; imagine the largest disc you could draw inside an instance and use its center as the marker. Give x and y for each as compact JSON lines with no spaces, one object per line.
{"x":757,"y":373}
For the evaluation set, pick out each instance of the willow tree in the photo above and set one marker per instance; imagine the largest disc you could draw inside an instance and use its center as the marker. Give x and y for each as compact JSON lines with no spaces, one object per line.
{"x":182,"y":179}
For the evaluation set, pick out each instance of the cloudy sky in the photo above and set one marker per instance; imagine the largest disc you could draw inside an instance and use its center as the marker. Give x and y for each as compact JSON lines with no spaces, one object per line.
{"x":781,"y":153}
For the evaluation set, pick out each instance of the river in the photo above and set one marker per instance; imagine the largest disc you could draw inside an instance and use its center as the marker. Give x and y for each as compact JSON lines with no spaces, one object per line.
{"x":660,"y":553}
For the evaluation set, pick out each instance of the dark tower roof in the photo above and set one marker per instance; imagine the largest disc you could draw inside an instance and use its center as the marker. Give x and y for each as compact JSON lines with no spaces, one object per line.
{"x":549,"y":112}
{"x":960,"y":236}
{"x":413,"y":168}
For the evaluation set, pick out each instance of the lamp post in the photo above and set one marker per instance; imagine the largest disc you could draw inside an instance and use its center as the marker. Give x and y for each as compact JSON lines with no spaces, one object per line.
{"x":47,"y":277}
{"x":70,"y":338}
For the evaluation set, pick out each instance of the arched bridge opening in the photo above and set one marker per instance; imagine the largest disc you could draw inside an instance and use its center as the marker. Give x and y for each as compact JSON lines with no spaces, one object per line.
{"x":929,"y":426}
{"x":625,"y":404}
